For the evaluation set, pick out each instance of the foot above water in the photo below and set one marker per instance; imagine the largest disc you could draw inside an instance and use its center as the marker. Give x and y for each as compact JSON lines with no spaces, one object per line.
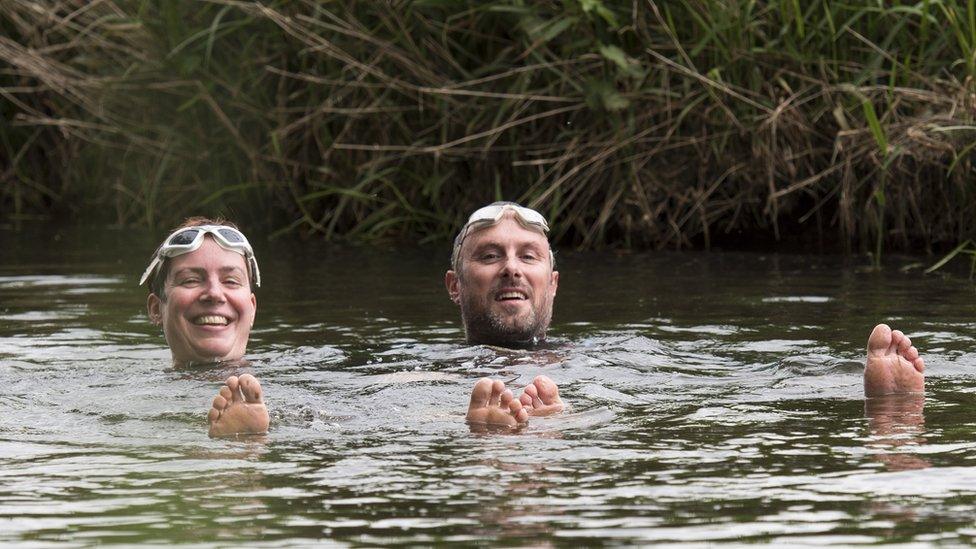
{"x":893,"y":365}
{"x":238,"y":409}
{"x":541,"y":397}
{"x":492,"y":405}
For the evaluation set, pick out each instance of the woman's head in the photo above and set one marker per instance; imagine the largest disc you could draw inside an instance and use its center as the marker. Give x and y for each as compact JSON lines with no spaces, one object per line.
{"x":200,"y":290}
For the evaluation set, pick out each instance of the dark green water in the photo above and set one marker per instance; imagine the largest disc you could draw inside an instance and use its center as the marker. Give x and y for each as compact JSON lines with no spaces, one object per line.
{"x":715,"y":398}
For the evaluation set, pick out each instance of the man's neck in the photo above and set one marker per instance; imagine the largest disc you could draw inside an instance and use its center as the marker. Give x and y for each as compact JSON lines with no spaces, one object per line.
{"x":531,"y":343}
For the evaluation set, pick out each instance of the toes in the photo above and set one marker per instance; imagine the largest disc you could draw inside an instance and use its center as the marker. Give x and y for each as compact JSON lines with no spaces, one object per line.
{"x":213,"y":415}
{"x":506,"y":398}
{"x":900,"y":340}
{"x":919,"y":365}
{"x":219,"y":403}
{"x":526,"y":399}
{"x":519,"y":413}
{"x":547,"y":388}
{"x":880,"y":340}
{"x":910,"y":354}
{"x":532,"y":392}
{"x":226,"y":394}
{"x":250,"y":388}
{"x":497,"y":388}
{"x":233,"y":384}
{"x":480,"y":393}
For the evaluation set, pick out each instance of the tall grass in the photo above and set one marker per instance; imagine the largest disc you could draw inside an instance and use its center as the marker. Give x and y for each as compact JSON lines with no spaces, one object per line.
{"x":630,"y":124}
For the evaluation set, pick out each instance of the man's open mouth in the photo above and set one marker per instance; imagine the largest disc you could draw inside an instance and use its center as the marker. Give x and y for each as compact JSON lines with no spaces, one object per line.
{"x":211,"y":320}
{"x":510,"y":296}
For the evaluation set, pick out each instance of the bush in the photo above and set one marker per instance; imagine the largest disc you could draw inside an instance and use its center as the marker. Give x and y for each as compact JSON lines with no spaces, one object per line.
{"x":629,"y":124}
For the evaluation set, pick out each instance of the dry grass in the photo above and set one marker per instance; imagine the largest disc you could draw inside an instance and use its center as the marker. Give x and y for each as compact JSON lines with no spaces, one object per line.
{"x":630,"y":124}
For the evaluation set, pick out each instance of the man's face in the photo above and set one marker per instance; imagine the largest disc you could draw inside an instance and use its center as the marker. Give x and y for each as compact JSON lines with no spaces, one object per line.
{"x":209,"y":308}
{"x":506,"y":284}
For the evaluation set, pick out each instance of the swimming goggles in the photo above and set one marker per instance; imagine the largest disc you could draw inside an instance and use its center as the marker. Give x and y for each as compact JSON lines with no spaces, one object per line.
{"x":493,"y":213}
{"x":188,"y":239}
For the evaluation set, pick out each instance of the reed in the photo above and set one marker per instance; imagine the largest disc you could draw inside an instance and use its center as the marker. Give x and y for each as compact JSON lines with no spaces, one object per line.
{"x":630,"y":124}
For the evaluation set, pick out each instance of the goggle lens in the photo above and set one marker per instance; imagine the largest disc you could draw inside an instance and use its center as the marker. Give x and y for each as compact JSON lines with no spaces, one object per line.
{"x":183,"y":238}
{"x":231,"y":235}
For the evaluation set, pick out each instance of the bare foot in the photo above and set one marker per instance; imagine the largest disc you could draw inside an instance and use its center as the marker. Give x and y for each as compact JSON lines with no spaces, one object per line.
{"x":893,"y":365}
{"x":239,"y":409}
{"x":493,"y":405}
{"x":541,"y":397}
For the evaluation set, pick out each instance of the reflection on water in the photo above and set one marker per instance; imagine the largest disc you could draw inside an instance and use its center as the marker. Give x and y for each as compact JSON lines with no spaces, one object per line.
{"x":715,"y":397}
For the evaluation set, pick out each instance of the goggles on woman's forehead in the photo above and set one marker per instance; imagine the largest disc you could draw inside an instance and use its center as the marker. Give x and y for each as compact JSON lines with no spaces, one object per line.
{"x":188,"y":239}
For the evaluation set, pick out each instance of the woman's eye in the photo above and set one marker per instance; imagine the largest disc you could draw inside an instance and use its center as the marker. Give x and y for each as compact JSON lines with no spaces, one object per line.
{"x":189,"y":281}
{"x":232,"y":282}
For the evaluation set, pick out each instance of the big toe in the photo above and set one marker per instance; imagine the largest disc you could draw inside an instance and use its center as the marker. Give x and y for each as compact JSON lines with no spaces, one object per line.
{"x":251,"y":388}
{"x":879,"y":342}
{"x":547,"y":389}
{"x":480,"y":393}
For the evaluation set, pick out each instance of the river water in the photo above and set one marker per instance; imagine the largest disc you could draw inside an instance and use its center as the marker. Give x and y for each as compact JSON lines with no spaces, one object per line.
{"x":715,"y":397}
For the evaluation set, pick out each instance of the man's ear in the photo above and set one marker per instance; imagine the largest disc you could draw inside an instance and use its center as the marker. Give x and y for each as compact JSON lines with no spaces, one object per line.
{"x":453,"y":285}
{"x":554,"y":281}
{"x":154,"y":307}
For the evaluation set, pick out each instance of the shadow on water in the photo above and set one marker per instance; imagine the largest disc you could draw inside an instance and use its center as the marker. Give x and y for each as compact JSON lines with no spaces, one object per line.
{"x":714,"y":397}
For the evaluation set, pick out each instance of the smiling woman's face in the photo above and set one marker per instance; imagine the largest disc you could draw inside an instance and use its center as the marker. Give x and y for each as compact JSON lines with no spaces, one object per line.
{"x":209,"y":308}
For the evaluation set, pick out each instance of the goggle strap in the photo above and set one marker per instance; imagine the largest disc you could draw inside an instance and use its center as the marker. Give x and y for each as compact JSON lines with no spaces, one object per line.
{"x":152,"y":267}
{"x":254,"y":270}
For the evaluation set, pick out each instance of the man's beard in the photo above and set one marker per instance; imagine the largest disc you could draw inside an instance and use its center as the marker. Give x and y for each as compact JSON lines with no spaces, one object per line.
{"x":482,"y":325}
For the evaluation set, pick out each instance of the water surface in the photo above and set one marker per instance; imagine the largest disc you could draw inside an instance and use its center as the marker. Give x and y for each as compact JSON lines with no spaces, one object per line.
{"x":715,"y":398}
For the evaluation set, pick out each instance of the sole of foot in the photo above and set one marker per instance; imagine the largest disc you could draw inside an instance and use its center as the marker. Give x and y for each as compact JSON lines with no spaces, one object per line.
{"x":893,"y":365}
{"x":541,"y":397}
{"x":239,"y":409}
{"x":493,"y":407}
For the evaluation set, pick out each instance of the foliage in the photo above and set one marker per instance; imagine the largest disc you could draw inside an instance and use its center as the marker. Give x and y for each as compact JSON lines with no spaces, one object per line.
{"x":629,"y":124}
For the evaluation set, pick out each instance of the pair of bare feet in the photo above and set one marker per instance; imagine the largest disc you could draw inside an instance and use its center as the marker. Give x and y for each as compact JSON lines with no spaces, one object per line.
{"x":893,"y":365}
{"x":239,"y":409}
{"x":494,"y":406}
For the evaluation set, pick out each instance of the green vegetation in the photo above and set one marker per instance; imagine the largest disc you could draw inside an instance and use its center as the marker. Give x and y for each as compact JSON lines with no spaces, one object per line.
{"x":630,"y":124}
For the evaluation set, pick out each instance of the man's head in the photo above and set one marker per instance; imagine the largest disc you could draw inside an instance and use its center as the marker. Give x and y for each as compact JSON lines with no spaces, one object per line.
{"x":200,"y":282}
{"x":502,"y":275}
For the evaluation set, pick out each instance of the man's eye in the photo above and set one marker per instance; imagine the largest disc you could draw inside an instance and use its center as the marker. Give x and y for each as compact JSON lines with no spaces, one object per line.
{"x":530,"y":257}
{"x":489,"y":256}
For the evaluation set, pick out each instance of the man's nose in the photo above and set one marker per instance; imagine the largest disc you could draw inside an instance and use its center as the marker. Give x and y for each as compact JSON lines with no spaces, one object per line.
{"x":513,"y":267}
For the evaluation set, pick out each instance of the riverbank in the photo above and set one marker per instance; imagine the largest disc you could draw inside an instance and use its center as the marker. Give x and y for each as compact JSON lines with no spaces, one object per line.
{"x":630,"y":125}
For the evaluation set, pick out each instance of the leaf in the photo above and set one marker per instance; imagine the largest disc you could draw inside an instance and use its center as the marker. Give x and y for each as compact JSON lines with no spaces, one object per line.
{"x":602,"y":95}
{"x":617,"y":56}
{"x":949,"y":256}
{"x":596,"y":6}
{"x":876,"y":130}
{"x":555,"y":29}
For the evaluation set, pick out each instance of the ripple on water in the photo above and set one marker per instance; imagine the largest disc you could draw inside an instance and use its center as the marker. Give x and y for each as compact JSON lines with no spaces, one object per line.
{"x":731,"y":415}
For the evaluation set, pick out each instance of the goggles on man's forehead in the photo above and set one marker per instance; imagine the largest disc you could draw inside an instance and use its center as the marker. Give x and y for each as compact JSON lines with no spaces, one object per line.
{"x":493,"y":213}
{"x":188,"y":239}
